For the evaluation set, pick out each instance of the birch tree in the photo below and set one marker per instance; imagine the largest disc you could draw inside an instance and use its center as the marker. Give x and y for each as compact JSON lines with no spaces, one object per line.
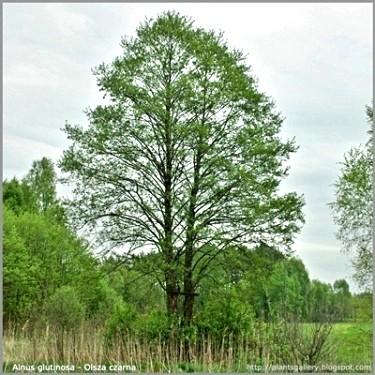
{"x":353,"y":208}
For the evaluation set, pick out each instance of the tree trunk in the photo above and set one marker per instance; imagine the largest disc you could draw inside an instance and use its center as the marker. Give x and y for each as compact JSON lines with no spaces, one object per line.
{"x":172,"y":301}
{"x":172,"y":290}
{"x":189,"y":243}
{"x":188,"y":288}
{"x":172,"y":293}
{"x":188,"y":303}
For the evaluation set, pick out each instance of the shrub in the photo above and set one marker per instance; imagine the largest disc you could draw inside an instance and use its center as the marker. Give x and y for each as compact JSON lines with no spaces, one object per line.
{"x":120,"y":321}
{"x":64,"y":310}
{"x":225,"y":312}
{"x":154,"y":325}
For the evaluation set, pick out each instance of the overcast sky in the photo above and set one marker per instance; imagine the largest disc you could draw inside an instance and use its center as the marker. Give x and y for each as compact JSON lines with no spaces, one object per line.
{"x":314,"y":60}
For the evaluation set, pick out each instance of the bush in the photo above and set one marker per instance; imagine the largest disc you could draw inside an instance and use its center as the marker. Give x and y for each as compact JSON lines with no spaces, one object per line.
{"x":63,"y":310}
{"x":225,"y":312}
{"x":154,"y":325}
{"x":120,"y":321}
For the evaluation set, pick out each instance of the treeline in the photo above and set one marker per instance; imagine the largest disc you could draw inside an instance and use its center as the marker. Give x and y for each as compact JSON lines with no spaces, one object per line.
{"x":52,"y":277}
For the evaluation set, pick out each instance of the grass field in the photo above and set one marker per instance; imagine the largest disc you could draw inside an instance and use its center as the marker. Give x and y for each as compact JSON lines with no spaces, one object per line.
{"x":353,"y":343}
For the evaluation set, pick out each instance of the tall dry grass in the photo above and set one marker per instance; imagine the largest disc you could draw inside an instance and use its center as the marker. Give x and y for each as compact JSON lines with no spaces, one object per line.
{"x":265,"y":344}
{"x":88,"y":344}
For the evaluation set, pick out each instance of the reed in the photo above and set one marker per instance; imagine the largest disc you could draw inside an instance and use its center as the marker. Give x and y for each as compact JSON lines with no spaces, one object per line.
{"x":89,"y":345}
{"x":265,"y":345}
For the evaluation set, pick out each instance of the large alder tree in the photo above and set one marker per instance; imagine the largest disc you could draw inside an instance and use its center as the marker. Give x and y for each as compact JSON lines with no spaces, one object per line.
{"x":184,"y":160}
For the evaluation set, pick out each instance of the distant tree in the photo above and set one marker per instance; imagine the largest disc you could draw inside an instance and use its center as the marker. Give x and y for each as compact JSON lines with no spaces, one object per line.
{"x":19,"y":272}
{"x":320,"y":301}
{"x":353,"y":207}
{"x":41,"y":253}
{"x":185,"y":159}
{"x":42,"y":180}
{"x":341,"y":286}
{"x":18,"y":196}
{"x":342,"y":299}
{"x":286,"y":290}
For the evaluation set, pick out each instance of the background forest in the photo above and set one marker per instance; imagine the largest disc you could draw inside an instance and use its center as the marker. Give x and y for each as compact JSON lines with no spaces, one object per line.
{"x":63,"y":304}
{"x":174,"y":253}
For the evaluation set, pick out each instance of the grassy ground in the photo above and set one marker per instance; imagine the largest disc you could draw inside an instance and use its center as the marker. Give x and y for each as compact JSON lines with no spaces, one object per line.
{"x":350,"y":344}
{"x":353,"y":342}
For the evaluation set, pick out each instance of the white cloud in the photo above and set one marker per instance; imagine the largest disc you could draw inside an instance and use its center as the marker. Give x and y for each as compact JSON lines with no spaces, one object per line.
{"x":20,"y":152}
{"x":326,"y":263}
{"x":67,"y":20}
{"x":28,"y":74}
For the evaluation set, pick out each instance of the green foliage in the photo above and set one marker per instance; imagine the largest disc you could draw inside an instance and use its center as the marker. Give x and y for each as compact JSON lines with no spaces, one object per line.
{"x":187,"y":153}
{"x":63,"y":310}
{"x":20,"y":273}
{"x":120,"y":322}
{"x":284,"y":293}
{"x":42,"y":257}
{"x":154,"y":325}
{"x":320,"y":302}
{"x":35,"y":193}
{"x":247,"y":292}
{"x":353,"y":343}
{"x":342,"y":300}
{"x":41,"y":254}
{"x":136,"y":281}
{"x":55,"y":251}
{"x":353,"y":208}
{"x":18,"y":196}
{"x":184,"y":164}
{"x":41,"y":179}
{"x":362,"y":307}
{"x":342,"y":287}
{"x":100,"y":298}
{"x":224,"y":311}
